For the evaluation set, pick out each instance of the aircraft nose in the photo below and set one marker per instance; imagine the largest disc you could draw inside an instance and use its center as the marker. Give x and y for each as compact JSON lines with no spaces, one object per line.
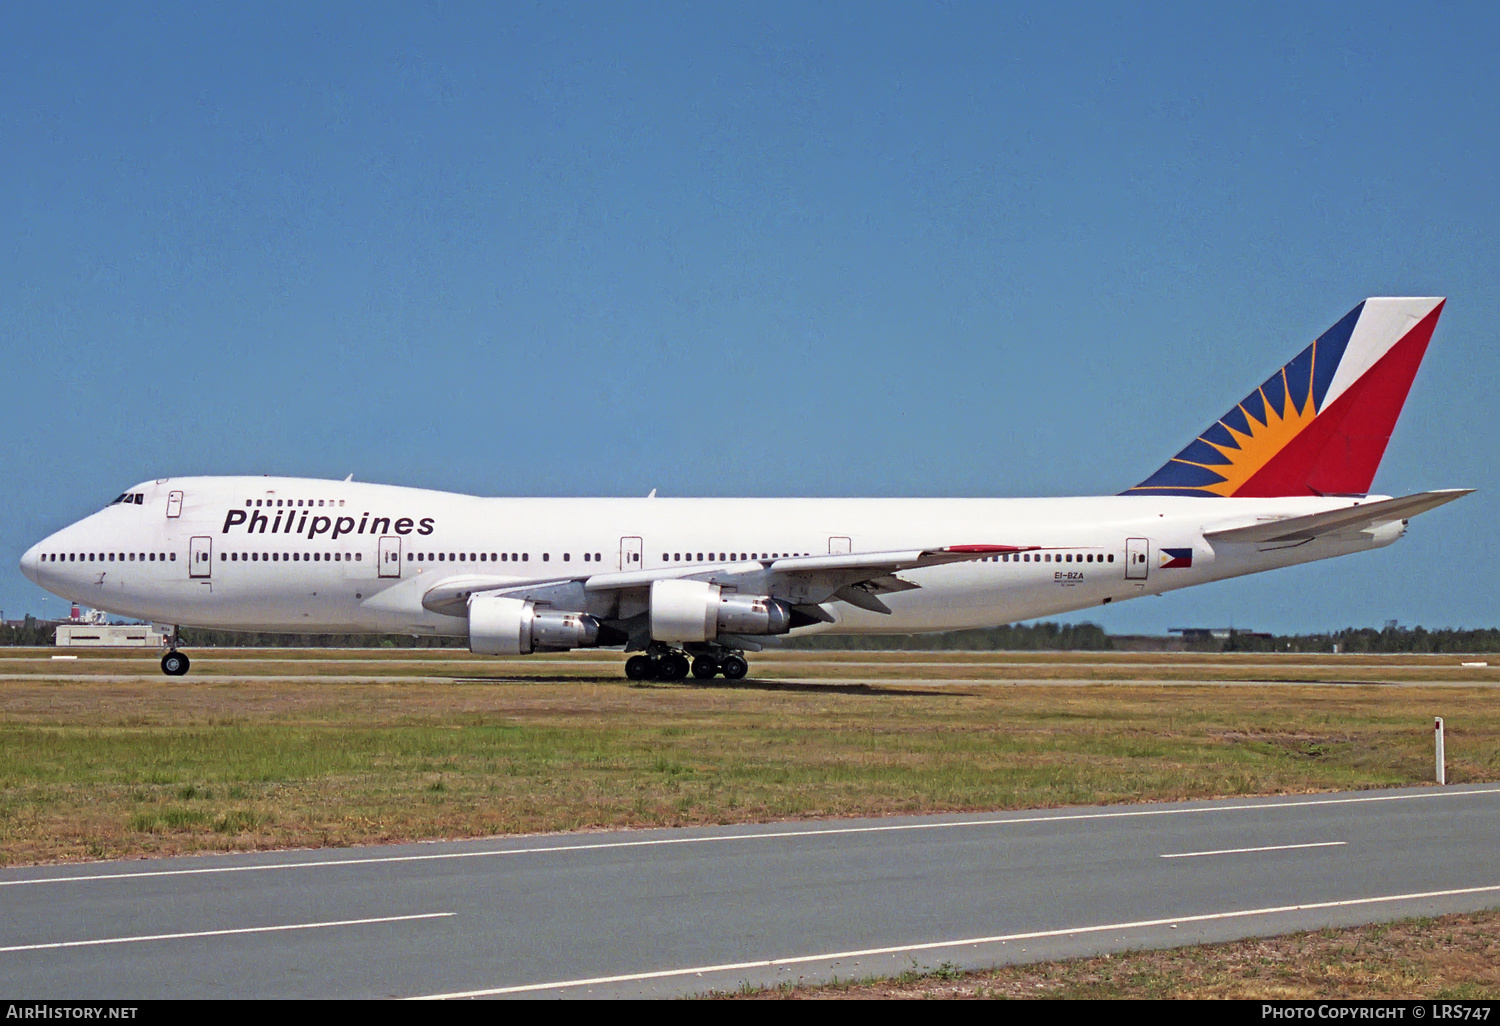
{"x":31,"y":561}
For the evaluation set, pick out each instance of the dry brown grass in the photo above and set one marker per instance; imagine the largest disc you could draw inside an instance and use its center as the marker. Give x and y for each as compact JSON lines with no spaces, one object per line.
{"x":1452,"y":957}
{"x":260,"y":749}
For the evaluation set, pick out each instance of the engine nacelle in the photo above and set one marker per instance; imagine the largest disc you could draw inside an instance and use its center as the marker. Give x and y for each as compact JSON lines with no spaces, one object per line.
{"x":688,"y":611}
{"x":508,"y":626}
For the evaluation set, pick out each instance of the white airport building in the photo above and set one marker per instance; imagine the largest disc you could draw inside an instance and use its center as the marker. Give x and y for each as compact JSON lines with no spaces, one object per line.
{"x":109,"y":635}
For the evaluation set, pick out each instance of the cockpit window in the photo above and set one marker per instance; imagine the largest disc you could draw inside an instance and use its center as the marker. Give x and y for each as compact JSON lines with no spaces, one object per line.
{"x":136,"y":498}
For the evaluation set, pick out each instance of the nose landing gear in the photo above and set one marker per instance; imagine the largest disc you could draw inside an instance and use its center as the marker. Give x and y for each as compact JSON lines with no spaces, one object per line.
{"x":174,"y":663}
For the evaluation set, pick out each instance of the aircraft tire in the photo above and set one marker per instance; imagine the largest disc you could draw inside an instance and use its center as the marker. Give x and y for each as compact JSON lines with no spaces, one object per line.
{"x":640,"y":667}
{"x":673,"y":666}
{"x":734,"y":667}
{"x":175,"y":664}
{"x":705,"y":667}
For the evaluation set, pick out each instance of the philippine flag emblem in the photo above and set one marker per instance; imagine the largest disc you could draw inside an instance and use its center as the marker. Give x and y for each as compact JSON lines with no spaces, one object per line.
{"x":1176,"y":559}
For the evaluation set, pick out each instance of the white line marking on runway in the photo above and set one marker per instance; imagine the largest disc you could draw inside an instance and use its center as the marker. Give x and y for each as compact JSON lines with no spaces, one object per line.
{"x":1241,"y":851}
{"x":967,"y":941}
{"x":763,"y":836}
{"x":222,"y":933}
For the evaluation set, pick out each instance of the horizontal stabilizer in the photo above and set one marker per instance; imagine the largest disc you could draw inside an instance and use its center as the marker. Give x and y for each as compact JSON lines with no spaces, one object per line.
{"x":1337,"y":521}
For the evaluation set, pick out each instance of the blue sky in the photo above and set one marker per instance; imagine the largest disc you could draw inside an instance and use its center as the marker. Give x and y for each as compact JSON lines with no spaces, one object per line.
{"x":763,"y":249}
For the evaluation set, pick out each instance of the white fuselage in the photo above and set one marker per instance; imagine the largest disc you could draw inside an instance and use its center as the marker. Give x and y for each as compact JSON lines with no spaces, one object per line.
{"x":309,"y":556}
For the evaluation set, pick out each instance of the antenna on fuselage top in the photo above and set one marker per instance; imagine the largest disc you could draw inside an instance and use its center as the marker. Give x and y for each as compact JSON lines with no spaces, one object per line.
{"x":349,"y":478}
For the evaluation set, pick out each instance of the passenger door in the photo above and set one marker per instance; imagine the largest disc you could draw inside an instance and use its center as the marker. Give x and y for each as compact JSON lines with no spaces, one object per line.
{"x":390,"y":556}
{"x":201,"y":558}
{"x":630,"y":553}
{"x":1136,"y":552}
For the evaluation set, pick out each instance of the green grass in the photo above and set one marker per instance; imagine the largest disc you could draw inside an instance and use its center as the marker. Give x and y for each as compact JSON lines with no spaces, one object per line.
{"x":115,"y":767}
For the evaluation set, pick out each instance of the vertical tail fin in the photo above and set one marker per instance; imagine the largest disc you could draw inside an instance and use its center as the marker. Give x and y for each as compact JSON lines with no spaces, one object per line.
{"x":1318,"y":426}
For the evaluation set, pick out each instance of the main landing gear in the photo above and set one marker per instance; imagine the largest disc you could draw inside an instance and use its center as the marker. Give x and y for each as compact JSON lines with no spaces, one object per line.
{"x":662,"y":663}
{"x":174,"y":663}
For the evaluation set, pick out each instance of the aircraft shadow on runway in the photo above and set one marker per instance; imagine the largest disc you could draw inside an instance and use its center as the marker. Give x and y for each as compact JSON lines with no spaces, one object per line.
{"x":816,"y":689}
{"x":721,"y":685}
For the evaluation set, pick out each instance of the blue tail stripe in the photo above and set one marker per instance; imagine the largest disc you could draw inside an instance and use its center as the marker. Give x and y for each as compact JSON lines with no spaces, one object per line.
{"x":1219,"y":435}
{"x":1329,"y":350}
{"x":1236,"y":419}
{"x":1200,"y":451}
{"x":1275,"y":392}
{"x":1180,"y":475}
{"x":1255,"y":405}
{"x":1299,"y":377}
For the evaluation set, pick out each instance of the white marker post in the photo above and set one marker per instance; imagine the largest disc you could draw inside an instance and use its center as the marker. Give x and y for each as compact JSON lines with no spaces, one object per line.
{"x":1442,"y":768}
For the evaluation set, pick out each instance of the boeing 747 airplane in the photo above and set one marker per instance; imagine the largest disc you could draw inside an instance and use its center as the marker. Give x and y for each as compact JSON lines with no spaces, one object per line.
{"x":689,"y":585}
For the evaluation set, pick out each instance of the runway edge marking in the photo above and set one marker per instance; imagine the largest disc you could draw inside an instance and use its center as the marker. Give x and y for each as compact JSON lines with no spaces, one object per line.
{"x":220,"y":933}
{"x":931,"y":945}
{"x":1245,"y":851}
{"x":726,"y":838}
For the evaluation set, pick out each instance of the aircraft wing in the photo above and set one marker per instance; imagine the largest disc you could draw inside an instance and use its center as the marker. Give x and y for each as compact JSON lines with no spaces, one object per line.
{"x":1339,"y":521}
{"x":804,"y":581}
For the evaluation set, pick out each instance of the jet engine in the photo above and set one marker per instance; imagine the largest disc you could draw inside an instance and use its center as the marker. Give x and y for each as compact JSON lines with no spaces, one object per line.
{"x":509,"y":626}
{"x":686,"y":611}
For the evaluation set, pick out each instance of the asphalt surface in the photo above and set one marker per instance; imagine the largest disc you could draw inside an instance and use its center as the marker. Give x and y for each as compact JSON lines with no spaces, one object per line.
{"x":668,"y":912}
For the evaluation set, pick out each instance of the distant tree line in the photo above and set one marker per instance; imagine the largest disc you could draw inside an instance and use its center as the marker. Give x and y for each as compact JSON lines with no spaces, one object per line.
{"x":1366,"y":639}
{"x":1018,"y":637}
{"x":30,"y":631}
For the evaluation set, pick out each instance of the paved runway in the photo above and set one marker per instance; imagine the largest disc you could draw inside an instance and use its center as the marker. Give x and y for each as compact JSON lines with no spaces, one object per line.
{"x":663,"y":912}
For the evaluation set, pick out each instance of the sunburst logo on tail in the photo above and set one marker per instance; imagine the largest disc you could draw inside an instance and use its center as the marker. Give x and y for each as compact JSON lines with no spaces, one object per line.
{"x":1356,"y":375}
{"x":1251,"y":442}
